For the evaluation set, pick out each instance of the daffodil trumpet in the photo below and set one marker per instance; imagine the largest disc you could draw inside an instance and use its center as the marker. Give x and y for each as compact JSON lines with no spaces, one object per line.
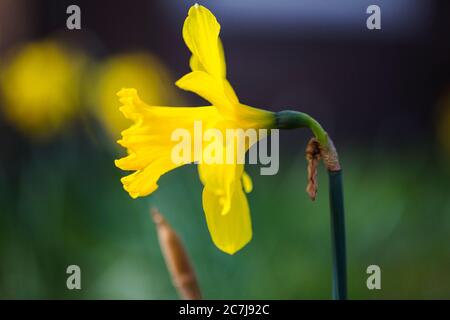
{"x":149,"y":144}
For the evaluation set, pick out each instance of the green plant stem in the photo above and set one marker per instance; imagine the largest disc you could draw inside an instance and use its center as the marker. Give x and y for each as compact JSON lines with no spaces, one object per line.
{"x":338,"y":235}
{"x":293,"y":120}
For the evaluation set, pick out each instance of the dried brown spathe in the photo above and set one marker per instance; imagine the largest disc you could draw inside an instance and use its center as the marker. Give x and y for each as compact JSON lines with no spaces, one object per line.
{"x":314,"y":153}
{"x":313,"y":157}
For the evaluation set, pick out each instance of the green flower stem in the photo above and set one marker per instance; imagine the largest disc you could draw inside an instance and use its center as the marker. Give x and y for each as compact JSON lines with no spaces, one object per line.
{"x":293,"y":120}
{"x":338,"y":235}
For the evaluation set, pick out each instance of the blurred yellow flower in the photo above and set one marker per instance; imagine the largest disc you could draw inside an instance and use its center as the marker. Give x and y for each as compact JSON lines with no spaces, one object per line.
{"x":137,"y":70}
{"x":149,"y":142}
{"x":40,"y":88}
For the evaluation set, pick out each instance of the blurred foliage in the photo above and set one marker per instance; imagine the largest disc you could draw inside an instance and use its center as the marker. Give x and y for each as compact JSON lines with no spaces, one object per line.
{"x":68,"y":207}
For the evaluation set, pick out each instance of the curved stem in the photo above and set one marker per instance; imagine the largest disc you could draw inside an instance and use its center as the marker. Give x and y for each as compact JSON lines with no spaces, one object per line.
{"x":293,"y":120}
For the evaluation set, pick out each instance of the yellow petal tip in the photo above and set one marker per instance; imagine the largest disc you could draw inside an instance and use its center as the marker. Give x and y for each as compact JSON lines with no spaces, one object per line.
{"x":231,"y":249}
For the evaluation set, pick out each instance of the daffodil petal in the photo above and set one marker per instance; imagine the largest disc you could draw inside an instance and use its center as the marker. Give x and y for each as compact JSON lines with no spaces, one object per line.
{"x":218,"y":92}
{"x":219,"y":174}
{"x":144,"y":181}
{"x":195,"y":64}
{"x":219,"y":178}
{"x":247,"y":182}
{"x":201,"y":35}
{"x":230,"y":232}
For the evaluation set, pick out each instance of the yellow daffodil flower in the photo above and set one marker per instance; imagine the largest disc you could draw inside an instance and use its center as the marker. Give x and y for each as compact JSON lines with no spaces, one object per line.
{"x":41,"y":87}
{"x":149,"y":142}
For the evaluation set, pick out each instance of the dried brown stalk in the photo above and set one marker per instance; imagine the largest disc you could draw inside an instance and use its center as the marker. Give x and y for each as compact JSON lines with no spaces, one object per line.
{"x":177,"y":260}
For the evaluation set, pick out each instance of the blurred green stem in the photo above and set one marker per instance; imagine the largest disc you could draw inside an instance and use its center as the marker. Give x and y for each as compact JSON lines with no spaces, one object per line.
{"x":293,"y":120}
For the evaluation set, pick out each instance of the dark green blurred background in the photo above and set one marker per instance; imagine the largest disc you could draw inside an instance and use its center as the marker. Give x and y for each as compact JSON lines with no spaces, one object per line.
{"x":382,"y":98}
